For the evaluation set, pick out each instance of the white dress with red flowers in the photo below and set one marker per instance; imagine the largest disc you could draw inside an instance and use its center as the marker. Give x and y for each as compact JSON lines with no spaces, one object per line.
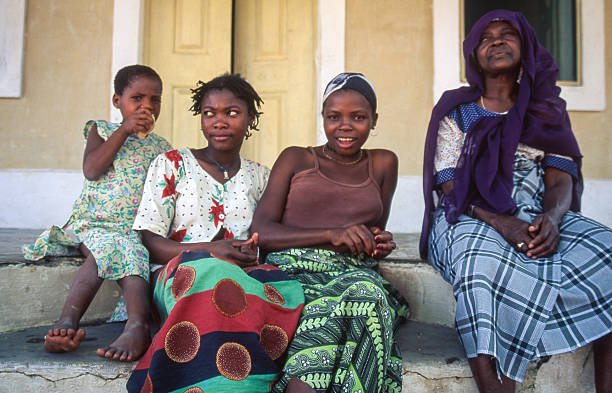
{"x":183,"y":202}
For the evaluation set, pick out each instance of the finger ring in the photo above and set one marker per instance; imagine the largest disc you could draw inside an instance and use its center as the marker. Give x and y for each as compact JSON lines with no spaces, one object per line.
{"x":520,"y":245}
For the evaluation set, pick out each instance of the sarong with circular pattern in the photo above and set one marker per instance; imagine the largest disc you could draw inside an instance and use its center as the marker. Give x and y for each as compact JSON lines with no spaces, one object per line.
{"x":183,"y":281}
{"x":194,"y":389}
{"x":229,"y":298}
{"x":274,"y":340}
{"x":273,"y":294}
{"x":233,"y":361}
{"x":182,"y":342}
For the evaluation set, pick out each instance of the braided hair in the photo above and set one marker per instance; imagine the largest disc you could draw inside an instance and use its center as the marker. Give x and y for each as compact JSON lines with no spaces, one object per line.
{"x":127,"y":74}
{"x":238,"y":86}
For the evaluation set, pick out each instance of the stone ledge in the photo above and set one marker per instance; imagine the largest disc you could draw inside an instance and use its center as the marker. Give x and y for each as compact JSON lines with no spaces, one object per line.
{"x":35,"y":291}
{"x":33,"y":294}
{"x":434,"y":361}
{"x":429,"y":297}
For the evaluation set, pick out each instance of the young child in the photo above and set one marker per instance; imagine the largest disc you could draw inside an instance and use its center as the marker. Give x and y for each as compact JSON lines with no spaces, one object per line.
{"x":115,"y":165}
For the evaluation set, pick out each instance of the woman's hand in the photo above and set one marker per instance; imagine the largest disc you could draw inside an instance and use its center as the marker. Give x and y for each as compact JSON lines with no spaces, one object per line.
{"x":356,"y":239}
{"x":242,"y":253}
{"x":384,"y":243}
{"x":544,"y":230}
{"x":514,"y":230}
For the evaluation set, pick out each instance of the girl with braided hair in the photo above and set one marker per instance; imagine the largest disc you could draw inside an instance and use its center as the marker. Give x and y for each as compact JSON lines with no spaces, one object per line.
{"x":227,"y":320}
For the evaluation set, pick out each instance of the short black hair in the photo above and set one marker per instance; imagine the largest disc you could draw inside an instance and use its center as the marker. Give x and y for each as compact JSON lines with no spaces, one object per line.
{"x":238,"y":86}
{"x":127,"y":74}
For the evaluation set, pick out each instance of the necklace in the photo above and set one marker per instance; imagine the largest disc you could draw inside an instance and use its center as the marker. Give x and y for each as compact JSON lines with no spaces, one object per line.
{"x":223,"y":169}
{"x":485,"y":108}
{"x":326,"y":154}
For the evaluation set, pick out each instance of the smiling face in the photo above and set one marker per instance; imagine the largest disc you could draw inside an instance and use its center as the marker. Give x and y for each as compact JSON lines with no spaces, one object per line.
{"x":224,"y":120}
{"x":347,"y":120}
{"x":499,"y":50}
{"x":141,"y":93}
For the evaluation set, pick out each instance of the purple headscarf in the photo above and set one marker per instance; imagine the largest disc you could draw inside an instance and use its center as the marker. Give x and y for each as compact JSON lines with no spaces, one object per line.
{"x":483,"y":175}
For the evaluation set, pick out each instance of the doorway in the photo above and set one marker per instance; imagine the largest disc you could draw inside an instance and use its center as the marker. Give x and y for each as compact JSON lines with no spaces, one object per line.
{"x":271,"y":43}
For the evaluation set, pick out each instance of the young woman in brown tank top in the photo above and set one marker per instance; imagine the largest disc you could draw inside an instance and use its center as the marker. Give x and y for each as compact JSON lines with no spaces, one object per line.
{"x":322,"y":219}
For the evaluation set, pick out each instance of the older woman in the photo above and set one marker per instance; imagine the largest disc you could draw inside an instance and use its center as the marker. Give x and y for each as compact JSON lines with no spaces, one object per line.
{"x":502,"y":184}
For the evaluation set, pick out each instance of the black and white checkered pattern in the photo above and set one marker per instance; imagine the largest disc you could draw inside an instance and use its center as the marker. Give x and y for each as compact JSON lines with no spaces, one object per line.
{"x":516,"y":308}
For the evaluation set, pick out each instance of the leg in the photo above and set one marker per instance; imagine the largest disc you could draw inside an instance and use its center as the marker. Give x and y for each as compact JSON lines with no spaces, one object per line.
{"x":296,"y":385}
{"x":135,"y":338}
{"x":485,"y":373}
{"x":65,"y":335}
{"x":602,"y":354}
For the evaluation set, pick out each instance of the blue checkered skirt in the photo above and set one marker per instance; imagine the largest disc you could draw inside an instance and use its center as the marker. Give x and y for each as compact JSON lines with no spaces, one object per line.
{"x":515,"y":308}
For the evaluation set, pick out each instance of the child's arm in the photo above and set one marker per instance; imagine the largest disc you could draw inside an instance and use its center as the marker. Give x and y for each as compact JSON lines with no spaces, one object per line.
{"x":99,"y":154}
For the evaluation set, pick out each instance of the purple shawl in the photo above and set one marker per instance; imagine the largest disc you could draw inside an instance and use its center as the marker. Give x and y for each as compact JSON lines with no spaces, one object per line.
{"x":483,"y":175}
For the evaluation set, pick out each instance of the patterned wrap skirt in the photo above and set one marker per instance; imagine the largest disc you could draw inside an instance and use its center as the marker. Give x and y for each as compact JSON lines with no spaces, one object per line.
{"x":516,"y":308}
{"x":345,"y":341}
{"x":224,"y":329}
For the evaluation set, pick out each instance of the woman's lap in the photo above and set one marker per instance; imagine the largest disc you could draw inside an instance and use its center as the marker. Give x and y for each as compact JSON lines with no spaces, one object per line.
{"x":345,"y":338}
{"x":508,"y":303}
{"x":224,"y":329}
{"x":581,"y":313}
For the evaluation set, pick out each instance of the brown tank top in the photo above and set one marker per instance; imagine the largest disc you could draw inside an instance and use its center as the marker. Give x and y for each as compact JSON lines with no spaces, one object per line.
{"x":316,"y":201}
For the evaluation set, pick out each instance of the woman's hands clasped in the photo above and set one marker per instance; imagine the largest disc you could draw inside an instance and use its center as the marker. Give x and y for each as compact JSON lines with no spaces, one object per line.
{"x":242,"y":253}
{"x":384,"y":243}
{"x":537,"y":239}
{"x":544,"y":230}
{"x":359,"y":239}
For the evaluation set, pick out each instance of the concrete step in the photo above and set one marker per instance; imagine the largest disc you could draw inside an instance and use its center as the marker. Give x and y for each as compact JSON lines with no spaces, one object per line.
{"x":26,"y":367}
{"x":430,"y":298}
{"x":434,"y":361}
{"x":35,"y":291}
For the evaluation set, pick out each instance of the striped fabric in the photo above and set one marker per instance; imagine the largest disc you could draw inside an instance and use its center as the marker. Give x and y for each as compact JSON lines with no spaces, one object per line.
{"x":225,"y":329}
{"x":345,"y":341}
{"x":516,"y":308}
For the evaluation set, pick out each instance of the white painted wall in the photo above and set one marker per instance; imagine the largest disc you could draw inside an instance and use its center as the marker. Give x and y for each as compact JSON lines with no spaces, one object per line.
{"x":127,"y":41}
{"x":330,"y":59}
{"x":37,"y":198}
{"x":41,"y":198}
{"x":12,"y":22}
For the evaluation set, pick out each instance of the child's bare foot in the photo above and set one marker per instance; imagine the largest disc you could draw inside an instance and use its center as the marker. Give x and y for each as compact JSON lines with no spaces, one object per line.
{"x":130,"y":345}
{"x":63,"y":337}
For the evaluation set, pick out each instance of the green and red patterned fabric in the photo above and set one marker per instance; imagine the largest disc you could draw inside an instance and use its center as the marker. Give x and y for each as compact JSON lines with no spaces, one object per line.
{"x":225,"y":329}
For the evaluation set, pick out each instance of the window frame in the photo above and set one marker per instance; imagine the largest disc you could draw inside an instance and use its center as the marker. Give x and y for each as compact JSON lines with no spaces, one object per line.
{"x":590,"y":95}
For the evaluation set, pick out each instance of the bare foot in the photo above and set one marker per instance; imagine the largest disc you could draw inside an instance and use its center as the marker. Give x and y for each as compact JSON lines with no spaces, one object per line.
{"x":63,"y":337}
{"x":130,"y":345}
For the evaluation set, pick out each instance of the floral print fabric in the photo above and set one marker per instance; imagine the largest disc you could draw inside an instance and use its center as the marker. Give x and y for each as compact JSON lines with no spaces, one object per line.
{"x":451,"y":137}
{"x":345,"y":340}
{"x":181,"y":201}
{"x":103,"y":214}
